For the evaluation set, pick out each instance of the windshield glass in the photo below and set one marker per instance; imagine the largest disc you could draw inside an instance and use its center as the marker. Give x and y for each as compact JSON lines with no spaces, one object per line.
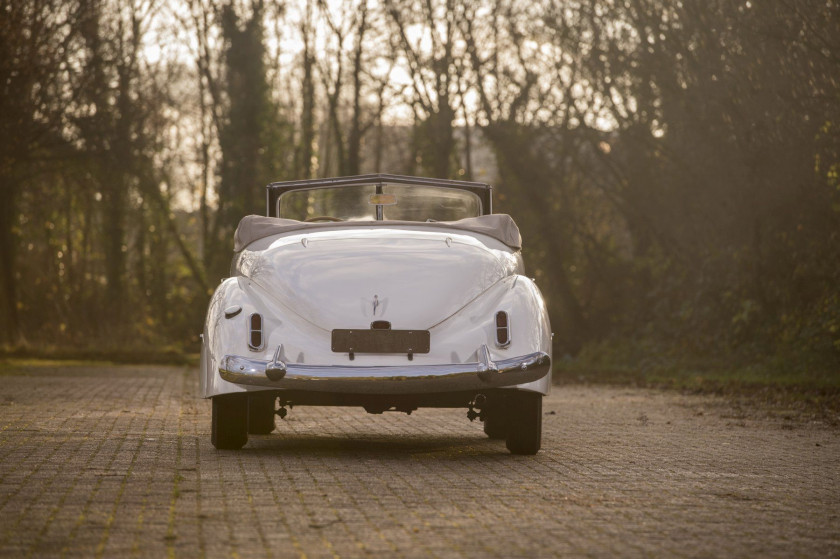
{"x":391,"y":202}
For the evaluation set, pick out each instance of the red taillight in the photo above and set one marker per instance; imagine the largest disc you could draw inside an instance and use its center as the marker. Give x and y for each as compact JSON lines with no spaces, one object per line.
{"x":255,"y":332}
{"x":502,"y":329}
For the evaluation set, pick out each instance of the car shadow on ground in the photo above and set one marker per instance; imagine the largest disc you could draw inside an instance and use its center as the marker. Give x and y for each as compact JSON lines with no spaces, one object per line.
{"x":396,"y":445}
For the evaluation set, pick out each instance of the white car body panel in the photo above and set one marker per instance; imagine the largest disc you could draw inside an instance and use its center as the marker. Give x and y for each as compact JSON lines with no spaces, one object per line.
{"x":448,"y":282}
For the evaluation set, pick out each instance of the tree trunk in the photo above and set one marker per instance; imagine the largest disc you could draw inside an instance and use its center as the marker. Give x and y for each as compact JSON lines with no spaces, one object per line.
{"x":307,"y":120}
{"x":354,"y":141}
{"x":10,"y":331}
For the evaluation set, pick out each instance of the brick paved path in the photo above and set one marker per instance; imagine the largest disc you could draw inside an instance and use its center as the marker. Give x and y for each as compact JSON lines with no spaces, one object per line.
{"x":117,"y":461}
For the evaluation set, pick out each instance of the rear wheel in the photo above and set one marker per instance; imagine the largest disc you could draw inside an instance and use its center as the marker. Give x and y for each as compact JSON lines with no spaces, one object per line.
{"x":524,"y":433}
{"x":261,"y":413}
{"x":229,"y":424}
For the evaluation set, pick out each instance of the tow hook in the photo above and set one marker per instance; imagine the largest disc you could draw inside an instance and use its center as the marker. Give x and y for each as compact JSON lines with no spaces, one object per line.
{"x":283,"y":412}
{"x":477,"y":403}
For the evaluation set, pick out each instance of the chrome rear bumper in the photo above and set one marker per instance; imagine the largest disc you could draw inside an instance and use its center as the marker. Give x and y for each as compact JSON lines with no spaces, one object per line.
{"x":395,"y":379}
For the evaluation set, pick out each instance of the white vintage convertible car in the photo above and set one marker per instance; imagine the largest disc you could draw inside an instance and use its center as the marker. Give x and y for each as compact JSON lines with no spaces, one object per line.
{"x":381,"y":291}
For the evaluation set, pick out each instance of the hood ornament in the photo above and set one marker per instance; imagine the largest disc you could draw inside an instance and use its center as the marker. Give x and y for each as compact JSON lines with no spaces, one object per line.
{"x":375,"y":303}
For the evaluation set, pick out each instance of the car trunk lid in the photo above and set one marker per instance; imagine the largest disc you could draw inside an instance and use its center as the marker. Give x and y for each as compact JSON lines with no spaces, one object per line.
{"x":348,"y":279}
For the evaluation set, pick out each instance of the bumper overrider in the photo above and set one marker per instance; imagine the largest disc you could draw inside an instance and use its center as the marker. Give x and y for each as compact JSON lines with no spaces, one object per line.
{"x":392,"y":379}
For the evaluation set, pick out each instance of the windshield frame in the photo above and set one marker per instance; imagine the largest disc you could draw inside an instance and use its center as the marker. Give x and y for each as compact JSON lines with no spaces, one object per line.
{"x":275,"y":190}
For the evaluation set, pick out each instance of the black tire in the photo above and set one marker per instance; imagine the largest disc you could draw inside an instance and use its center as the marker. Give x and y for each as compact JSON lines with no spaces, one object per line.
{"x":261,"y":413}
{"x":495,"y":423}
{"x":229,"y":426}
{"x":524,"y":435}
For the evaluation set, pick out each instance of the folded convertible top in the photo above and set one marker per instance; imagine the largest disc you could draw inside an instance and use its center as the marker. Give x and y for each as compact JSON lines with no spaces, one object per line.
{"x":254,"y":227}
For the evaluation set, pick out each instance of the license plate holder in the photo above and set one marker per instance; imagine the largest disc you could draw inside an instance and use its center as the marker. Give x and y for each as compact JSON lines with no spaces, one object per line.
{"x":380,"y":341}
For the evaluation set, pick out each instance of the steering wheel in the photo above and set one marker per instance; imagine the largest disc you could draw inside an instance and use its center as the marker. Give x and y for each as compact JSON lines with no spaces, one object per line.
{"x":322,"y":218}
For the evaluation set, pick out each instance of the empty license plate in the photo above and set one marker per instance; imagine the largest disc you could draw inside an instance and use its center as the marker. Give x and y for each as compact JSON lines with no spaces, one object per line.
{"x":380,"y":341}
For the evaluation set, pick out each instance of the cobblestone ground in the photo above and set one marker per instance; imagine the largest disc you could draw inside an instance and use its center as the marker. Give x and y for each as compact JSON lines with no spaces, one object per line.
{"x":117,"y":461}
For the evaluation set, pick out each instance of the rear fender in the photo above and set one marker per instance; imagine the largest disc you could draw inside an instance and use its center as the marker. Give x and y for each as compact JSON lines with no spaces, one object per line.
{"x":530,"y":330}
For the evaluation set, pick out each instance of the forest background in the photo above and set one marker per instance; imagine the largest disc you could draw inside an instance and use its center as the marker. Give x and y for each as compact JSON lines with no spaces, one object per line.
{"x":674,"y":166}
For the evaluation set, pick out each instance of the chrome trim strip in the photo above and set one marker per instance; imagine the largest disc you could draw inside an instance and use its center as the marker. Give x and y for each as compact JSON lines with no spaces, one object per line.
{"x":394,"y":379}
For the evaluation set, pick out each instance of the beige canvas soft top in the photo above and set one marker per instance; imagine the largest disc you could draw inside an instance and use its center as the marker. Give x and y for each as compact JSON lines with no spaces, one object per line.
{"x":254,"y":227}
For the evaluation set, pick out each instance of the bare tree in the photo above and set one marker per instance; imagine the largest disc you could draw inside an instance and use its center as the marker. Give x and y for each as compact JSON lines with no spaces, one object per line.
{"x":434,"y":76}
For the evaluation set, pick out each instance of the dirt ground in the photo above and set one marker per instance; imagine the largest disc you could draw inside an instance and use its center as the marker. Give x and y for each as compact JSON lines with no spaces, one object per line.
{"x":117,"y":461}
